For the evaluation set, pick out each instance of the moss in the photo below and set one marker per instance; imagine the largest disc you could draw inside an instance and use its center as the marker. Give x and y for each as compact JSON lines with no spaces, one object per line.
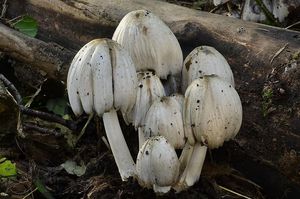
{"x":267,"y":95}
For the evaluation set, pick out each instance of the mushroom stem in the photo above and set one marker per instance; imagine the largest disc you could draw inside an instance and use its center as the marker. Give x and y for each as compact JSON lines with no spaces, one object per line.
{"x":142,"y":138}
{"x":192,"y":159}
{"x":118,"y":145}
{"x":161,"y":190}
{"x":170,"y":85}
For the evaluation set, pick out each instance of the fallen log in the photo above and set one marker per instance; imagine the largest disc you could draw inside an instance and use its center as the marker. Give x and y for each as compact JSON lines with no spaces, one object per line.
{"x":73,"y":23}
{"x":48,"y":57}
{"x":264,"y":59}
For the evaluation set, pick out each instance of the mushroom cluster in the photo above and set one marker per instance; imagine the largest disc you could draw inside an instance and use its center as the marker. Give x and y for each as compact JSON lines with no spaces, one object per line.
{"x":133,"y":74}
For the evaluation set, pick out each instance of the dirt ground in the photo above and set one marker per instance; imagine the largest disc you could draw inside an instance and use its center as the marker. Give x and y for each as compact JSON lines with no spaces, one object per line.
{"x":262,"y":162}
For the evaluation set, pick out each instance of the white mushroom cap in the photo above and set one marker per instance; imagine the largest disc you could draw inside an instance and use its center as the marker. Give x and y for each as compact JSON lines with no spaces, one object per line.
{"x":281,"y":8}
{"x":212,"y":111}
{"x":149,"y":89}
{"x":157,"y":164}
{"x":205,"y":60}
{"x":165,"y":118}
{"x":102,"y":79}
{"x":150,"y":42}
{"x":253,"y":12}
{"x":102,"y":76}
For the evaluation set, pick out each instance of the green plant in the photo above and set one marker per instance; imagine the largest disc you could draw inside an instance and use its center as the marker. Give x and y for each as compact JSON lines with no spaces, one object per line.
{"x":26,"y":24}
{"x":267,"y":95}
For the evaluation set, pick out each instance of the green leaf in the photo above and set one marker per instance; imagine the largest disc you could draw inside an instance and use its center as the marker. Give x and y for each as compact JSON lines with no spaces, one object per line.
{"x":42,"y":189}
{"x":7,"y":168}
{"x":57,"y":106}
{"x":27,"y":25}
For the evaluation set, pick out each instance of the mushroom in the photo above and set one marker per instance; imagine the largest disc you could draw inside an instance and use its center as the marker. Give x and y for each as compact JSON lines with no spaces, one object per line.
{"x":157,"y":165}
{"x":102,"y":79}
{"x":218,"y":2}
{"x":164,"y":117}
{"x":282,"y":8}
{"x":149,"y":89}
{"x":253,"y":12}
{"x":151,"y":44}
{"x":212,"y":114}
{"x":205,"y":60}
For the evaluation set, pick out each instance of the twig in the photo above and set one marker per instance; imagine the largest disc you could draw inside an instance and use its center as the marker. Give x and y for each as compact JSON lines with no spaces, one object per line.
{"x":40,"y":114}
{"x":278,"y":52}
{"x":29,"y":126}
{"x":84,"y":127}
{"x":216,"y":8}
{"x":4,"y":8}
{"x":233,"y":192}
{"x":49,"y":117}
{"x":30,"y":193}
{"x":294,"y":24}
{"x":11,"y":88}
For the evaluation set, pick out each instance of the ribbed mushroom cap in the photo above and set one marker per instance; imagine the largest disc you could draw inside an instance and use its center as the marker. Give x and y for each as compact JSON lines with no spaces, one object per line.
{"x":101,"y":76}
{"x":149,"y":89}
{"x":157,"y":163}
{"x":212,"y":111}
{"x":205,"y":60}
{"x":150,"y":42}
{"x":165,"y":118}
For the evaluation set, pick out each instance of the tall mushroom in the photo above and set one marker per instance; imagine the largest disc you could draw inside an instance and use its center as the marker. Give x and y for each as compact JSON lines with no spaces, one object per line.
{"x":212,"y":114}
{"x":157,"y":165}
{"x":102,"y":79}
{"x":151,"y":44}
{"x":205,"y":60}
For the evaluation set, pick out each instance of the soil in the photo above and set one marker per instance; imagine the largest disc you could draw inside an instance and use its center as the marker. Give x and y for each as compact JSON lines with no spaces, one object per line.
{"x":263,"y":161}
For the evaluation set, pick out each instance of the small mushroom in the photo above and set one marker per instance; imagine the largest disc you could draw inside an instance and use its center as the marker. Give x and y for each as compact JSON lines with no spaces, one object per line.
{"x":102,"y":79}
{"x":253,"y":12}
{"x":157,"y":165}
{"x":205,"y":60}
{"x":149,"y":89}
{"x":164,"y":117}
{"x":212,"y":114}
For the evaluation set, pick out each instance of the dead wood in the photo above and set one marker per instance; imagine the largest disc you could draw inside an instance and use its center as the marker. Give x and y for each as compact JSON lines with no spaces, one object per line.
{"x":48,"y":57}
{"x":73,"y":23}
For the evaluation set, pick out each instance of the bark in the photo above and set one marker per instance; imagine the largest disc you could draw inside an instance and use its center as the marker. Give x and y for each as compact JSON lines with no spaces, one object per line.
{"x":73,"y":23}
{"x":48,"y":57}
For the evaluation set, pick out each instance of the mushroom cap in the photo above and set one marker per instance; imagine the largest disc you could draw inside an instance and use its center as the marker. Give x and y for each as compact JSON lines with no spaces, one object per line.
{"x":212,"y":111}
{"x":253,"y":12}
{"x":205,"y":60}
{"x":157,"y":163}
{"x":149,"y":89}
{"x":164,"y":117}
{"x":282,"y":8}
{"x":102,"y":76}
{"x":150,"y":42}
